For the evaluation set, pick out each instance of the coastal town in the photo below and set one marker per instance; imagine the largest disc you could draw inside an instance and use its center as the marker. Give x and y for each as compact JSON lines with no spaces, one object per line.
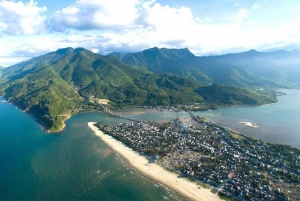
{"x":230,"y":164}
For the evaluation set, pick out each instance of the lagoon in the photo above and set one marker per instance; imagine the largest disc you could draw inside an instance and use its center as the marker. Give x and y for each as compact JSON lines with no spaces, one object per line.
{"x":275,"y":123}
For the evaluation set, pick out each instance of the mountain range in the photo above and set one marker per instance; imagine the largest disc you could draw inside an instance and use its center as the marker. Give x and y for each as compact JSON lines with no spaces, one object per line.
{"x":252,"y":69}
{"x":54,"y":86}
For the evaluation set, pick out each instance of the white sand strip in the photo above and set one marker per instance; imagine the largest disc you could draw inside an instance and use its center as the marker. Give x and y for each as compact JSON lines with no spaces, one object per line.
{"x":247,"y":123}
{"x":154,"y":171}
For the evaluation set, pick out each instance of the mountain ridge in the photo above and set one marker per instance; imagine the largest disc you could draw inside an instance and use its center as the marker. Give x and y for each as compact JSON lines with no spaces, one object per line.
{"x":279,"y":69}
{"x":56,"y":85}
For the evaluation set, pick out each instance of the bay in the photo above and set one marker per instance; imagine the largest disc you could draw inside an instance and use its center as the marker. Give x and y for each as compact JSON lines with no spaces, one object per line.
{"x":73,"y":165}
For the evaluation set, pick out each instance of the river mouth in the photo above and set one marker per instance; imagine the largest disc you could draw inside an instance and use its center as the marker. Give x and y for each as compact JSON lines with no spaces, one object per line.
{"x":75,"y":165}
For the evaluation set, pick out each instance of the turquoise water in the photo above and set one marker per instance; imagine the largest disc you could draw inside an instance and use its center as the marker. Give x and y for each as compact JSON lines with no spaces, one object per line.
{"x":75,"y":165}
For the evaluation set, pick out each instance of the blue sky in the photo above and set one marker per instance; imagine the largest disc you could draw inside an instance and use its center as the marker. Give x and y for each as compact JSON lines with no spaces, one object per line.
{"x":35,"y":27}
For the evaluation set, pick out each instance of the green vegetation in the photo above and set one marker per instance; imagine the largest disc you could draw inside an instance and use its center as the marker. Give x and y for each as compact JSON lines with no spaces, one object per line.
{"x":231,"y":95}
{"x":250,"y":69}
{"x":45,"y":95}
{"x":236,"y":136}
{"x":54,"y":86}
{"x":225,"y":197}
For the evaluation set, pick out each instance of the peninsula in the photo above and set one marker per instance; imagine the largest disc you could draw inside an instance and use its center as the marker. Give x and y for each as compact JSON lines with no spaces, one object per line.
{"x":181,"y":185}
{"x":229,"y":164}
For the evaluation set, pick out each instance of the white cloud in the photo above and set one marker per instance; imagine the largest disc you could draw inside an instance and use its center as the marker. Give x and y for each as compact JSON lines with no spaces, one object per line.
{"x":96,"y":14}
{"x":8,"y":61}
{"x":242,"y":14}
{"x":115,"y":25}
{"x":17,"y":18}
{"x":23,"y":48}
{"x":168,"y":23}
{"x":132,"y":24}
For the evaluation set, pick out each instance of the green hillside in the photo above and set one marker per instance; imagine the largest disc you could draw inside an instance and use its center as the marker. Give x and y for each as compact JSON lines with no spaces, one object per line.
{"x":232,"y":95}
{"x":44,"y":94}
{"x":157,"y":60}
{"x":54,"y":86}
{"x":250,"y":69}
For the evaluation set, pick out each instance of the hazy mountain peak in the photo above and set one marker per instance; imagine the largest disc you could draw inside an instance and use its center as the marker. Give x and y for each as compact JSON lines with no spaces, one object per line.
{"x":70,"y":50}
{"x":252,"y":50}
{"x":80,"y":49}
{"x":173,"y":54}
{"x":64,"y":50}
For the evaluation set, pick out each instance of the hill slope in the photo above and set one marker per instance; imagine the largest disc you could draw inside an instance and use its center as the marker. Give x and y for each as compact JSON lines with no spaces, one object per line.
{"x":250,"y":69}
{"x":232,"y":95}
{"x":54,"y":86}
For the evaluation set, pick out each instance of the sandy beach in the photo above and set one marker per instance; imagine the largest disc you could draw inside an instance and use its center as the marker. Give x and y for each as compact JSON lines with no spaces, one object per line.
{"x":156,"y":172}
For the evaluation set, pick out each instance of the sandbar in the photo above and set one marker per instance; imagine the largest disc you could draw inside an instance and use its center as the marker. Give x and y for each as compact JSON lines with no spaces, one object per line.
{"x":246,"y":123}
{"x":171,"y":180}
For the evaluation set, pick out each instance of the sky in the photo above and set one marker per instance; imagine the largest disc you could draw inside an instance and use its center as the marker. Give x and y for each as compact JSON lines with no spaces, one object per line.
{"x":35,"y":27}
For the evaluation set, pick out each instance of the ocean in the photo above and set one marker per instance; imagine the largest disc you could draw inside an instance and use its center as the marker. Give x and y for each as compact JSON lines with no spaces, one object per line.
{"x":77,"y":165}
{"x":73,"y":165}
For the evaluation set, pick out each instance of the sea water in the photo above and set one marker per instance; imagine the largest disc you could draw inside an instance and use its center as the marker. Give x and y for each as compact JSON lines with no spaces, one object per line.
{"x":77,"y":165}
{"x":73,"y":165}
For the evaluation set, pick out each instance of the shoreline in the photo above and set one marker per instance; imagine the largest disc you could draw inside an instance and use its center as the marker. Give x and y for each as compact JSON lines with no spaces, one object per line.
{"x":35,"y":118}
{"x":182,"y":186}
{"x":59,"y":130}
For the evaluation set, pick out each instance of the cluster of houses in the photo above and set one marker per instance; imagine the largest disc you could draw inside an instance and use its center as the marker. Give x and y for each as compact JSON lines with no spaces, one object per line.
{"x":244,"y":168}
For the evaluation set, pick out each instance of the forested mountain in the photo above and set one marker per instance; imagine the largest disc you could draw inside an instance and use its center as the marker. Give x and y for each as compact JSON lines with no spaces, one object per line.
{"x":54,"y":86}
{"x":232,"y":95}
{"x":157,"y":60}
{"x":250,"y":69}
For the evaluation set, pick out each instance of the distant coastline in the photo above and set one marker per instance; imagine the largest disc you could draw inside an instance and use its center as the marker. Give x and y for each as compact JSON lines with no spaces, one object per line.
{"x":154,"y":171}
